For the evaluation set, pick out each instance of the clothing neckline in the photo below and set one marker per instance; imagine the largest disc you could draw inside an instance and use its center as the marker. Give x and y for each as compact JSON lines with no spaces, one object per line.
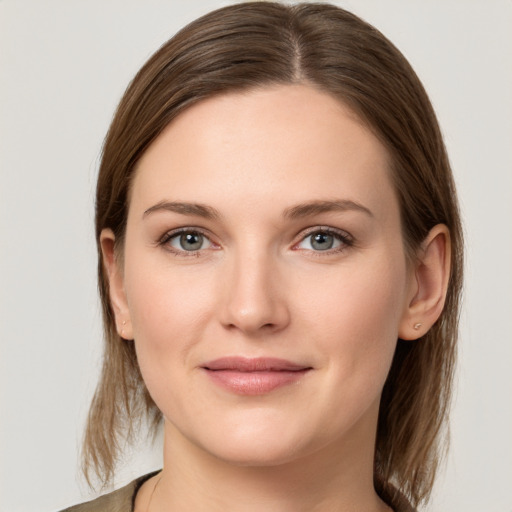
{"x":139,"y":483}
{"x":393,"y":500}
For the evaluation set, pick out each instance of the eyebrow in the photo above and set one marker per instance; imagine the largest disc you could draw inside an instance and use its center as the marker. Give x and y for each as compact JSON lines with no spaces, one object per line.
{"x":301,"y":210}
{"x":311,"y":208}
{"x":199,"y":210}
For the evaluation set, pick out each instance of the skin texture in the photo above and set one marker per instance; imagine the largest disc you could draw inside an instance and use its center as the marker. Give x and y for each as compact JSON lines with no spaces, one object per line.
{"x":258,"y":287}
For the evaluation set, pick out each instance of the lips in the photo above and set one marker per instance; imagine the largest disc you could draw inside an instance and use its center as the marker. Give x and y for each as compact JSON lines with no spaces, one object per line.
{"x":253,"y":376}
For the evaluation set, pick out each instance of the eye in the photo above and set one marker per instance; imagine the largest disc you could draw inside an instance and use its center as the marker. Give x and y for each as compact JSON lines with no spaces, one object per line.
{"x":324,"y":240}
{"x":187,"y":241}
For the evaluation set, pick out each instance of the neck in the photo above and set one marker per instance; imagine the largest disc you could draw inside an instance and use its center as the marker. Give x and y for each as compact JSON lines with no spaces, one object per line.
{"x":333,"y":478}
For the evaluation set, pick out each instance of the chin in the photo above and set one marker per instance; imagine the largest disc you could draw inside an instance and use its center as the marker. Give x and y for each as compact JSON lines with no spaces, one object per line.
{"x":256,"y":454}
{"x":257,"y":447}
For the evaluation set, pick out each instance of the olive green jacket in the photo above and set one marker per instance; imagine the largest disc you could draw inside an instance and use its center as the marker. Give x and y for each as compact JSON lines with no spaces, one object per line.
{"x":122,"y":500}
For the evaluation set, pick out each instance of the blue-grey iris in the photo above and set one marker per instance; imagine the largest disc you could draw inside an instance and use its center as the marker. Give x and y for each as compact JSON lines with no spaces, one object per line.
{"x":322,"y":241}
{"x":191,"y":241}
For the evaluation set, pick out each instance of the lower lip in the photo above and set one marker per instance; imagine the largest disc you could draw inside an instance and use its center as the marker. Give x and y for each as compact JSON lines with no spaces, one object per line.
{"x":254,"y":383}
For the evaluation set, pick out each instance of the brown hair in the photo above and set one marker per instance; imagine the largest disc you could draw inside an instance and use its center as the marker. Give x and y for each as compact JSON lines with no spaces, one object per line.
{"x":261,"y":43}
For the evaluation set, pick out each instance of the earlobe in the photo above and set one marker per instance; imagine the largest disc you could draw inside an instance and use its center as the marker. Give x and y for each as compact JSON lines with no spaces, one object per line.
{"x":116,"y":284}
{"x":430,"y":284}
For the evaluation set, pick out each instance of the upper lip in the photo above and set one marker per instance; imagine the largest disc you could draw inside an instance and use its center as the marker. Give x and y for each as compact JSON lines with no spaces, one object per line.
{"x":258,"y":364}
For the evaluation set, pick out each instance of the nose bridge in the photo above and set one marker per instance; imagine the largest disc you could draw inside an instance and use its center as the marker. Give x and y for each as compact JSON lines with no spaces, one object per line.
{"x":254,"y":300}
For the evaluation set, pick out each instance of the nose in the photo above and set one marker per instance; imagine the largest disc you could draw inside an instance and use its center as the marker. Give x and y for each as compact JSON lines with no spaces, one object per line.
{"x":254,"y":296}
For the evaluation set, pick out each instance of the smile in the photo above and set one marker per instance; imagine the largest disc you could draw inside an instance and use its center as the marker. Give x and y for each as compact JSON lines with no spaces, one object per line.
{"x":245,"y":376}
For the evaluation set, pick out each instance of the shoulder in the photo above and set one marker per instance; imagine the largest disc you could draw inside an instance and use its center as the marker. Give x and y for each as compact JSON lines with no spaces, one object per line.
{"x":121,"y":500}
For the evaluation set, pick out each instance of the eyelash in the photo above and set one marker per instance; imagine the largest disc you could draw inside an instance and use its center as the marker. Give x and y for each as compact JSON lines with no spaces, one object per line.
{"x":343,"y":237}
{"x":164,"y":241}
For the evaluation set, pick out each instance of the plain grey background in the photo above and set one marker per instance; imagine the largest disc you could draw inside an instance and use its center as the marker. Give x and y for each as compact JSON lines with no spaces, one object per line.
{"x":63,"y":67}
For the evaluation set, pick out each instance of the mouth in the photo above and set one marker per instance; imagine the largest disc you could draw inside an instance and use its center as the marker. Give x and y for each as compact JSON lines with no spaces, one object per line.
{"x":254,"y":376}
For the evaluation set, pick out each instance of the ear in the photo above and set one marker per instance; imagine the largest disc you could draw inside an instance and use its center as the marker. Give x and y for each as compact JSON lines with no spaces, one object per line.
{"x":112,"y":265}
{"x":429,"y":284}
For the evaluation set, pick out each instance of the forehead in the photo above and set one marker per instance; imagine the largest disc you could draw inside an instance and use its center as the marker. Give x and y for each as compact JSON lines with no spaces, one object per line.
{"x":283,"y":143}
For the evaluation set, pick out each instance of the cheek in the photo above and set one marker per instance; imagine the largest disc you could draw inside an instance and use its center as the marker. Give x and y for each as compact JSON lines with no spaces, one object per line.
{"x":354,"y":322}
{"x":357,"y":297}
{"x":170,"y":309}
{"x":165,"y":303}
{"x":356,"y":316}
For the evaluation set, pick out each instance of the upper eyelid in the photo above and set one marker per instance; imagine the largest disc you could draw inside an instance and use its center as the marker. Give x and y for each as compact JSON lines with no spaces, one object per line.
{"x":325,"y":229}
{"x":187,"y":229}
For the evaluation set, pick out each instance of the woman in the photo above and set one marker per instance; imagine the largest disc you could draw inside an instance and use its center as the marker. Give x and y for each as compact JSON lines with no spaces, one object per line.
{"x":280,"y":268}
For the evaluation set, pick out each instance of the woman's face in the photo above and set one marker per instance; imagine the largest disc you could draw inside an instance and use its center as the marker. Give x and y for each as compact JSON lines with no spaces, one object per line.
{"x":264,"y":278}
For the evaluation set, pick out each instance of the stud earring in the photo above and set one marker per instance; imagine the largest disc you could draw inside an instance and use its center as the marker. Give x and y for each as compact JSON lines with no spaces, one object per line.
{"x":417,"y":326}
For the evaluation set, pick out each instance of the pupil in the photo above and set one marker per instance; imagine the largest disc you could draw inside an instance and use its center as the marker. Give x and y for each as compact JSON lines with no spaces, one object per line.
{"x":191,"y":241}
{"x":322,"y":241}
